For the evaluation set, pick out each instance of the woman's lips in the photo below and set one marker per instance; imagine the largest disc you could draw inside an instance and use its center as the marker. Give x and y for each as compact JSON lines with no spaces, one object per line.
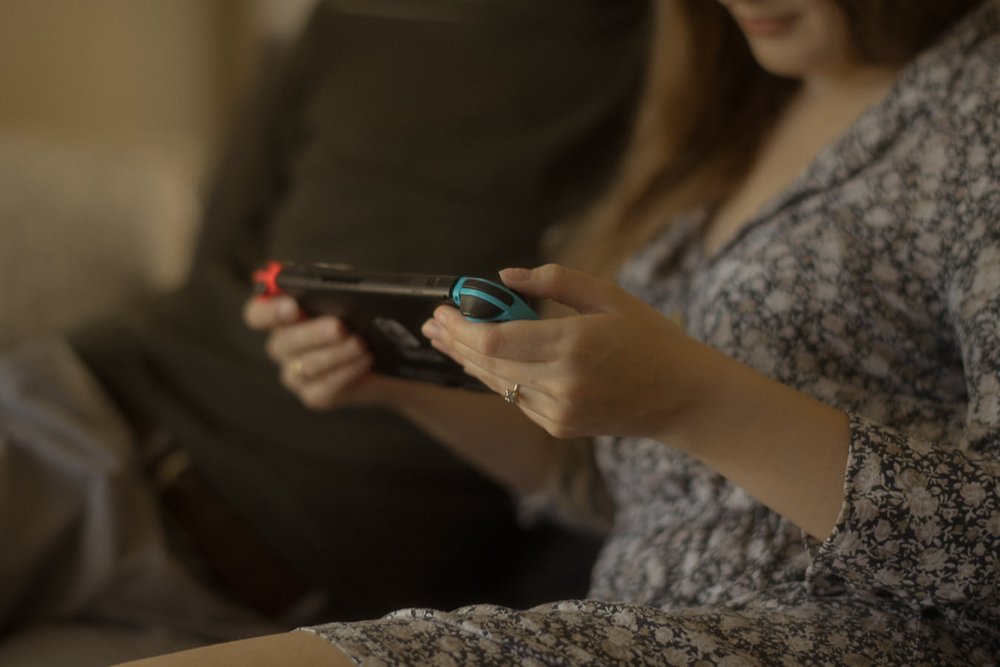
{"x":766,"y":25}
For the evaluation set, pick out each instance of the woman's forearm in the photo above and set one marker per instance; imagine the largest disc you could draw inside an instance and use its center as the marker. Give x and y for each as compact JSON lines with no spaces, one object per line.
{"x":786,"y":449}
{"x":621,"y":368}
{"x":480,"y":428}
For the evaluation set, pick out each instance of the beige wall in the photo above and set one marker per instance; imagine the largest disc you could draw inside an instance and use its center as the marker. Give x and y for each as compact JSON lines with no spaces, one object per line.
{"x":156,"y":75}
{"x":111,"y":116}
{"x":163,"y":75}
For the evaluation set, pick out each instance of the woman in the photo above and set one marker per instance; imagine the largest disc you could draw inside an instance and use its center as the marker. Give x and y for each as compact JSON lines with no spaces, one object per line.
{"x":795,"y":393}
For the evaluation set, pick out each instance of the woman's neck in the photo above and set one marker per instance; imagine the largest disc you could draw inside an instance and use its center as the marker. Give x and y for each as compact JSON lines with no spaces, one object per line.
{"x":849,"y":82}
{"x":819,"y":112}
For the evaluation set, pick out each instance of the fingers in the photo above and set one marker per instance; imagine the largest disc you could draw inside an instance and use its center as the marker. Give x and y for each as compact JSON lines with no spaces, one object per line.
{"x":531,"y":397}
{"x":521,"y":350}
{"x":265,"y":314}
{"x":320,"y":360}
{"x":300,"y":338}
{"x":518,"y":340}
{"x":535,"y":394}
{"x":324,"y":390}
{"x":559,"y":366}
{"x":579,"y":291}
{"x":297,"y":370}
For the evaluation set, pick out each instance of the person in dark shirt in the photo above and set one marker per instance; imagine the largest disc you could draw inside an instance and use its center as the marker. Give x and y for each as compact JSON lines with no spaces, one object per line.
{"x":785,"y":408}
{"x":425,"y":136}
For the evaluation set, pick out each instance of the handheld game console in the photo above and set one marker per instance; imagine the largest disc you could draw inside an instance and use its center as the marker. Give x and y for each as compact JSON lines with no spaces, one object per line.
{"x":388,"y":309}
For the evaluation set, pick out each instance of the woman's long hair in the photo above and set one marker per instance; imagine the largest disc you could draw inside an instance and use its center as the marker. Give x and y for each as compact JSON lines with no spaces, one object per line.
{"x":707,"y":109}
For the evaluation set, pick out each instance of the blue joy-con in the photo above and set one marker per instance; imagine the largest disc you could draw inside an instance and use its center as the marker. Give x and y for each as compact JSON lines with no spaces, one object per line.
{"x":481,"y":300}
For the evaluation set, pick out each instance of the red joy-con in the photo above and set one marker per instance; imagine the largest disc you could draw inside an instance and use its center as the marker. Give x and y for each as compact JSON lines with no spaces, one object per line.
{"x":265,"y":281}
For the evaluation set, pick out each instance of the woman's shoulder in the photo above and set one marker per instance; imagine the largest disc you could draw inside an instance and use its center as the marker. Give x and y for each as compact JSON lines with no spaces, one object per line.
{"x":949,"y":95}
{"x":975,"y":95}
{"x":966,"y":123}
{"x":956,"y":141}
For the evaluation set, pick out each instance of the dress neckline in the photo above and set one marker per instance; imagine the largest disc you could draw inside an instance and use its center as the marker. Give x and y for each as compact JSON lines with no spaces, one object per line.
{"x":913,"y":91}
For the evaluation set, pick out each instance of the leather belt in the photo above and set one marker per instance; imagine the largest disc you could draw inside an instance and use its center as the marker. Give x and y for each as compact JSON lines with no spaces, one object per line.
{"x":233,"y":555}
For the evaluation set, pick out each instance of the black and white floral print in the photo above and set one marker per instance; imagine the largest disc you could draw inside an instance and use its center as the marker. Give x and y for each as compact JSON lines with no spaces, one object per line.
{"x":872,"y":284}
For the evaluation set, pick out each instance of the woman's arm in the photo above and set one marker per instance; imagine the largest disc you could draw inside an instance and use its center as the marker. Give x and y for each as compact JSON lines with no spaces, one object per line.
{"x":327,"y":367}
{"x":921,"y":519}
{"x":622,"y":368}
{"x":917,"y":519}
{"x":290,"y":649}
{"x":785,"y":448}
{"x":482,"y":429}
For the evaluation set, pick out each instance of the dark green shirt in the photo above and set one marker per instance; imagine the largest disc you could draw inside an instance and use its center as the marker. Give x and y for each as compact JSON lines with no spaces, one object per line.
{"x":435,"y":136}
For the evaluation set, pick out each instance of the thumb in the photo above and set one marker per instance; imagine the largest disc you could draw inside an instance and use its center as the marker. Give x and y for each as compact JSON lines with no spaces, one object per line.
{"x":572,"y":288}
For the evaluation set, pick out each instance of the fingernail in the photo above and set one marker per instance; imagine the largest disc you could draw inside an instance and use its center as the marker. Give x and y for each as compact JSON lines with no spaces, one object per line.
{"x":515,"y":275}
{"x":288,"y":309}
{"x":431,"y":329}
{"x":330,"y":331}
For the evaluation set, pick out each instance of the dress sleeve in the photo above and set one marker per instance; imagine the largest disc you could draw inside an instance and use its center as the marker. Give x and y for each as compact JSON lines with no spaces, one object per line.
{"x":921,"y":520}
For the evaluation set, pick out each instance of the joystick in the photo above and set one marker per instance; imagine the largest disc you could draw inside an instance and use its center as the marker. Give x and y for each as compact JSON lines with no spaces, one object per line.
{"x":481,"y":300}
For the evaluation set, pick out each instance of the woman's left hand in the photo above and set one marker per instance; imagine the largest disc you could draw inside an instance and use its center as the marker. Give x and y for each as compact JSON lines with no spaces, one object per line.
{"x":616,"y":367}
{"x":619,"y":367}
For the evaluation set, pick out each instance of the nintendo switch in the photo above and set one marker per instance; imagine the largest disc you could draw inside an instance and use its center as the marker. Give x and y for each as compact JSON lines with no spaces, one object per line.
{"x":388,"y":309}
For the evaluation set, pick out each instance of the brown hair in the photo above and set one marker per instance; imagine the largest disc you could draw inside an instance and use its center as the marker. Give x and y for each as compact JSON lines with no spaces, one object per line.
{"x":707,"y":108}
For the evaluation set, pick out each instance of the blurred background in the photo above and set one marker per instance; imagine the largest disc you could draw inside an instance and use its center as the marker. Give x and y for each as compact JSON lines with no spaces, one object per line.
{"x":113,"y":114}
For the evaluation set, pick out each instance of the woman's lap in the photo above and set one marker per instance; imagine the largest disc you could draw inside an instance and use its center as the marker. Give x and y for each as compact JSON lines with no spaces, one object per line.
{"x":592,"y":632}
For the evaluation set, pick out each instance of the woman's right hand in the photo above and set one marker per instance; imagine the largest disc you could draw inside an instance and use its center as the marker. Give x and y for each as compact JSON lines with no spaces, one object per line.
{"x":321,"y":362}
{"x":327,"y":367}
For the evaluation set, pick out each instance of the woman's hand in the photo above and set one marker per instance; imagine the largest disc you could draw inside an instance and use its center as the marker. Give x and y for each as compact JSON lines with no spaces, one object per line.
{"x":327,"y":367}
{"x":617,"y":367}
{"x":321,"y":361}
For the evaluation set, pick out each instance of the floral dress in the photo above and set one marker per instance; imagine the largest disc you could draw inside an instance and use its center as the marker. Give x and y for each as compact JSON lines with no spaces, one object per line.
{"x":872,"y":284}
